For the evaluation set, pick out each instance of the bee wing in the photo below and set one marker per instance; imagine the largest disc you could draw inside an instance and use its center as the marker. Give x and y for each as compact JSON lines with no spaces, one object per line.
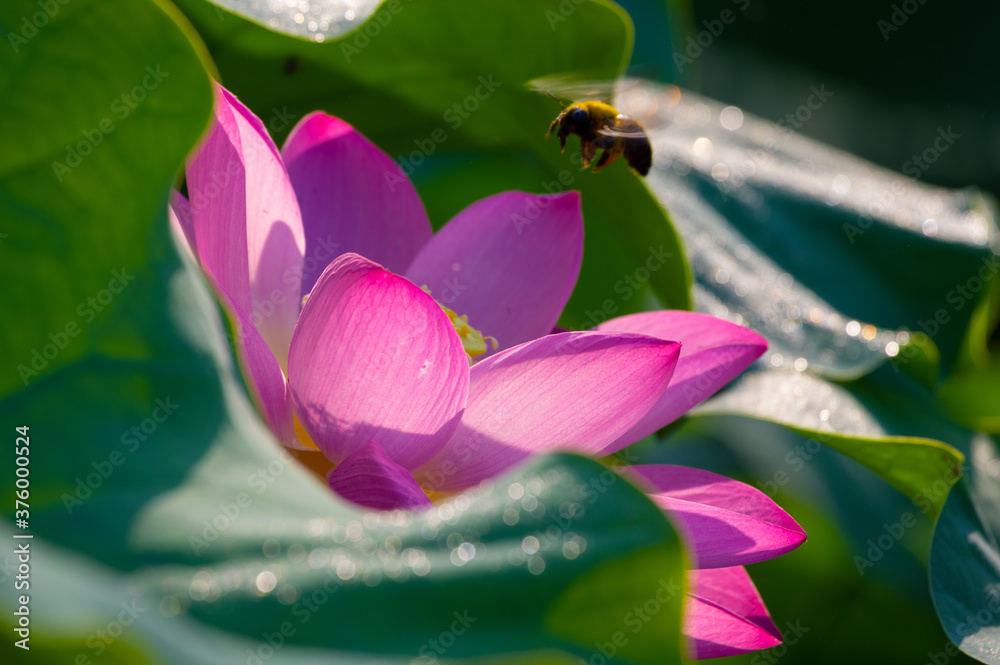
{"x":628,"y":129}
{"x":625,"y":94}
{"x":573,"y":90}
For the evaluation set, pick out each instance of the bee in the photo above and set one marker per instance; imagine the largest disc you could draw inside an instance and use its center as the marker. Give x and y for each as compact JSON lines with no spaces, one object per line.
{"x":600,"y":126}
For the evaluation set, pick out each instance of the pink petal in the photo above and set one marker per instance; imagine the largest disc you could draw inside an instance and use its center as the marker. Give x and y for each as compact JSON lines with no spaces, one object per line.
{"x":713,"y":353}
{"x":375,"y":358}
{"x":354,"y":198}
{"x":509,"y":262}
{"x":577,"y":391}
{"x":266,"y":382}
{"x":179,"y":213}
{"x":264,"y":378}
{"x":725,"y":522}
{"x":725,"y":616}
{"x":248,"y":231}
{"x":369,"y":478}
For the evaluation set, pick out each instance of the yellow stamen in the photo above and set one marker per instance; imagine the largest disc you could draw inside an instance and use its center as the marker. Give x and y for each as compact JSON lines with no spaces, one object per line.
{"x":473,"y":341}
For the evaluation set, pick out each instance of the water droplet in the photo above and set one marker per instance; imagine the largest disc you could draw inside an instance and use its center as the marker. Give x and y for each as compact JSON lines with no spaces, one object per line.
{"x":702,"y":147}
{"x":720,"y":172}
{"x":265,"y":583}
{"x":731,"y":118}
{"x":346,"y":570}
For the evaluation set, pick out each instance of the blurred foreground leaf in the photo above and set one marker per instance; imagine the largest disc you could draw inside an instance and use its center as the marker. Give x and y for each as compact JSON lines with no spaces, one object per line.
{"x":884,"y":421}
{"x":836,"y":261}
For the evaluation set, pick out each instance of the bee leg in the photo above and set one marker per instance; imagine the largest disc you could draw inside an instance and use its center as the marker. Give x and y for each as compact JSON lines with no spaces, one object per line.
{"x":552,"y":127}
{"x":563,"y":135}
{"x":588,"y":149}
{"x":609,"y":155}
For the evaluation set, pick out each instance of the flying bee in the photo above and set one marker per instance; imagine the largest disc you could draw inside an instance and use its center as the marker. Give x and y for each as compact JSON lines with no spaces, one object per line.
{"x":601,"y":126}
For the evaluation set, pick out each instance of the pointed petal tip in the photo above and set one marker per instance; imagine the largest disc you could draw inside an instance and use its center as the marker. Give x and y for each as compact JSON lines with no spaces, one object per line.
{"x":569,"y":199}
{"x":353,"y":195}
{"x":724,"y":522}
{"x":715,"y":352}
{"x":725,"y":616}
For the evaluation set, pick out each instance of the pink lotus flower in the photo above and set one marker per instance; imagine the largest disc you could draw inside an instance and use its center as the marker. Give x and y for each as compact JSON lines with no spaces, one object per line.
{"x":320,"y":252}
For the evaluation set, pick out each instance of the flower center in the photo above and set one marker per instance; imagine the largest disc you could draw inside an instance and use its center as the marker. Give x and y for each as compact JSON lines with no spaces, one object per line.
{"x":473,"y":341}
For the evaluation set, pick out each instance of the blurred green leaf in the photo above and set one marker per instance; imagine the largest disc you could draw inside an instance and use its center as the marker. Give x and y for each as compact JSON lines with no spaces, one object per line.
{"x":435,"y":93}
{"x":100,"y":106}
{"x":920,"y":359}
{"x":972,"y":397}
{"x":965,"y":557}
{"x":152,"y":479}
{"x":884,"y":421}
{"x":836,"y":261}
